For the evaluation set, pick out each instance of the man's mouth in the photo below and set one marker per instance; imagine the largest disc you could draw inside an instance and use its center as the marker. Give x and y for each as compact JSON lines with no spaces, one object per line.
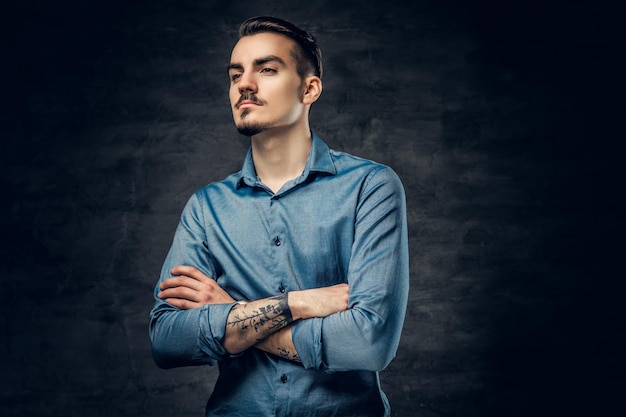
{"x":248,"y":100}
{"x":246,"y":104}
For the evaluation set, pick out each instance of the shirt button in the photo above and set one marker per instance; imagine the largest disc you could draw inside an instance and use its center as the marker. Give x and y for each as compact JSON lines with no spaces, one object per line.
{"x":283,"y":379}
{"x":277,"y":241}
{"x":281,"y":289}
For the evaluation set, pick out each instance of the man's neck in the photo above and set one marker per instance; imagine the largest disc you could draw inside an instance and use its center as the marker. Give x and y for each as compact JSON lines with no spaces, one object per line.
{"x":280,"y":155}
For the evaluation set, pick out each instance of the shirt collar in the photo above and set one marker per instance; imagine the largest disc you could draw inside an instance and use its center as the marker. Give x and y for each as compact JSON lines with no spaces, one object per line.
{"x":319,"y":160}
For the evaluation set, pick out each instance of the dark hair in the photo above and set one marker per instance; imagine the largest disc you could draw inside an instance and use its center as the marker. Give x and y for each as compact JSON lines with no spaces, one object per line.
{"x":307,"y":53}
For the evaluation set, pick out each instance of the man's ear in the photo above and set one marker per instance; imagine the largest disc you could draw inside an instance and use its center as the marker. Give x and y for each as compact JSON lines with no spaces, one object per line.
{"x":312,"y":89}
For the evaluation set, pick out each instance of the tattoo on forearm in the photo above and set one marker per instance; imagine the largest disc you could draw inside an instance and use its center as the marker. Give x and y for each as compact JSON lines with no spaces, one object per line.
{"x":286,"y":354}
{"x":267,"y":319}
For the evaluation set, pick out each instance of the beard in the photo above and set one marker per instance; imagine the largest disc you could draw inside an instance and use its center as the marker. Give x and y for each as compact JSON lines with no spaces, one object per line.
{"x":249,"y":128}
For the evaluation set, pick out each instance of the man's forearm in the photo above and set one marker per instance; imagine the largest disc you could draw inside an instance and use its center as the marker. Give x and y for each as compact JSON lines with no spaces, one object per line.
{"x":250,"y":323}
{"x":280,"y":344}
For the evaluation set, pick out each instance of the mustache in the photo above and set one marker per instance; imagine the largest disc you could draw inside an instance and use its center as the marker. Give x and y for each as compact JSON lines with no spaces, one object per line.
{"x":249,"y":97}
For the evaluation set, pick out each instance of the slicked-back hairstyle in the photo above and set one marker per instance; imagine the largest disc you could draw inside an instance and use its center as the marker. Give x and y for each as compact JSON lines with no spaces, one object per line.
{"x":307,"y":53}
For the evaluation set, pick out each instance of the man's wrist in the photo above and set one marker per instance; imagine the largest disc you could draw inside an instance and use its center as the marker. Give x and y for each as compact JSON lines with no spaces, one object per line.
{"x":296,"y":305}
{"x":250,"y":322}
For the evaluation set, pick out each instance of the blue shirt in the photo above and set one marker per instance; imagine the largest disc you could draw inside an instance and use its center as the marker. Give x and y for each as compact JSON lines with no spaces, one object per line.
{"x":342,"y":221}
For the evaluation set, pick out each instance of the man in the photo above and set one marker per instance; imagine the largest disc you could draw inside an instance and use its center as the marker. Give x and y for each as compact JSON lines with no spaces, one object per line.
{"x":291,"y":274}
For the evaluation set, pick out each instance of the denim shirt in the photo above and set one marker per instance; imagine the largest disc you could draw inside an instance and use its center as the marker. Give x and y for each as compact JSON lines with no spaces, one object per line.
{"x":342,"y":221}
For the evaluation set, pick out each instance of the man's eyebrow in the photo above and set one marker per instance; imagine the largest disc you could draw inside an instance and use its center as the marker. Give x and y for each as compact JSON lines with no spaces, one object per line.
{"x":259,"y":62}
{"x":269,"y":58}
{"x":234,"y":67}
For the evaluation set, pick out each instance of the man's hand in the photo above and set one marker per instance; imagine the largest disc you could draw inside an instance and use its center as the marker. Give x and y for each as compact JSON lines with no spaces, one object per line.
{"x":190,"y":288}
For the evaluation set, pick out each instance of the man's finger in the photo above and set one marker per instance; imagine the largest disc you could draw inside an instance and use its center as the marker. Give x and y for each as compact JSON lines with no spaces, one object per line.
{"x":181,"y":293}
{"x":181,"y":281}
{"x":182,"y":304}
{"x":191,"y":272}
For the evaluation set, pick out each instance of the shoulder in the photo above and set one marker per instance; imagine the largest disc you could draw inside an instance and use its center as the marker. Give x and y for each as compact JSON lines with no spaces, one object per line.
{"x":369,"y":171}
{"x":228,"y":184}
{"x":210,"y":193}
{"x":345,"y":160}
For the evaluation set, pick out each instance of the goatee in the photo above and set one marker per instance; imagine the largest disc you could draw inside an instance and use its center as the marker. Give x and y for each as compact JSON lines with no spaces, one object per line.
{"x":250,"y":129}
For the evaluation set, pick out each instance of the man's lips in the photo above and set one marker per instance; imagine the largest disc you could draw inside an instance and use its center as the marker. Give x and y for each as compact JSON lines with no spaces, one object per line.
{"x":246,"y":104}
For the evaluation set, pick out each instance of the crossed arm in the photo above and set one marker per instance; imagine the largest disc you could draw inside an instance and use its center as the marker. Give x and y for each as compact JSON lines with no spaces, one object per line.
{"x":197,"y":322}
{"x":265,"y":323}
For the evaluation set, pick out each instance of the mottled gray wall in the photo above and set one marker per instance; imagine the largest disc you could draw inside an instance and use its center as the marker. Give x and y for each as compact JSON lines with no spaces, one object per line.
{"x":498,"y":118}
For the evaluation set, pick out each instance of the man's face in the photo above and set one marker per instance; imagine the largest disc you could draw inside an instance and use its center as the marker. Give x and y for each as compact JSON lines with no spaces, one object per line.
{"x":265,"y":88}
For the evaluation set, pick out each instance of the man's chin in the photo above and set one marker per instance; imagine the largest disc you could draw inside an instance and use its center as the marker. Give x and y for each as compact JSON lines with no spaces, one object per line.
{"x":250,"y":129}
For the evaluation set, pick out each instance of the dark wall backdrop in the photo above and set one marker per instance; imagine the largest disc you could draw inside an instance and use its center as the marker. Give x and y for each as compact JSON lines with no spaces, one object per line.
{"x":499,"y":117}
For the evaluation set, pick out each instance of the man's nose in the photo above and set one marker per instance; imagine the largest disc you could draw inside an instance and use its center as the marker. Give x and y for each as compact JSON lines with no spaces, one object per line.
{"x":247,"y":83}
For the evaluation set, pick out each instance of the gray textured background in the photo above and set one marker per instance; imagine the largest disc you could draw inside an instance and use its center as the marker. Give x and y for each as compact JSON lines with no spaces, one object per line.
{"x":499,"y":118}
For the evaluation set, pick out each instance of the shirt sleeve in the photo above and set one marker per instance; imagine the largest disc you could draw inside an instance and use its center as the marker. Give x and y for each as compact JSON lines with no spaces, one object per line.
{"x":366,"y":336}
{"x":188,"y":337}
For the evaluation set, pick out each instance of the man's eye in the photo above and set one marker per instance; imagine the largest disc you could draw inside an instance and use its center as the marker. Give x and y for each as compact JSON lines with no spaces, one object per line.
{"x":235,"y":77}
{"x":268,"y":70}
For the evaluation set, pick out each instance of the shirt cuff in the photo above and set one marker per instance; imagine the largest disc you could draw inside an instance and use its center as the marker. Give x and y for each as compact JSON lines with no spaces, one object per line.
{"x":212,"y":328}
{"x":307,"y":339}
